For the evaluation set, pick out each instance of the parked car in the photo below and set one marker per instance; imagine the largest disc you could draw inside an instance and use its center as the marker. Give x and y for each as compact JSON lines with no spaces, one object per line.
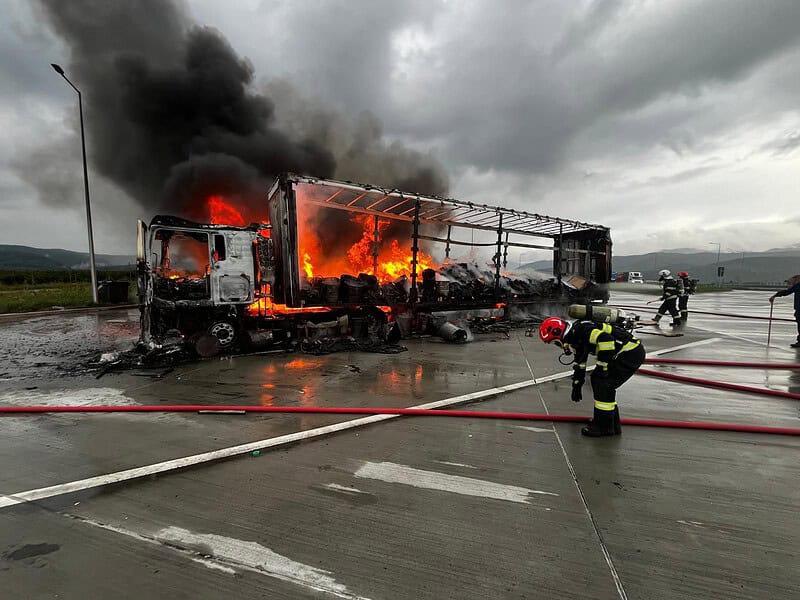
{"x":635,"y":277}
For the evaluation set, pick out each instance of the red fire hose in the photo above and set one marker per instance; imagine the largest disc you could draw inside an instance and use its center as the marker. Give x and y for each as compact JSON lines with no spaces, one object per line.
{"x":713,"y":314}
{"x":722,"y":363}
{"x":719,"y":384}
{"x":398,"y":411}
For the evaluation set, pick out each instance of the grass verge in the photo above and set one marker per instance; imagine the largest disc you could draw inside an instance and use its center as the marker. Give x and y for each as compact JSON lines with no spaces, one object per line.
{"x":28,"y":298}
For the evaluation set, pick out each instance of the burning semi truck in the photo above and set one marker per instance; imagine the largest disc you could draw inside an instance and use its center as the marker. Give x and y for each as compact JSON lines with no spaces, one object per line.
{"x":332,"y":259}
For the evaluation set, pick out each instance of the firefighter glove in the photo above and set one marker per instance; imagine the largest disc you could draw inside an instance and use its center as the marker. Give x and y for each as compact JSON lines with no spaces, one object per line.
{"x":577,"y":395}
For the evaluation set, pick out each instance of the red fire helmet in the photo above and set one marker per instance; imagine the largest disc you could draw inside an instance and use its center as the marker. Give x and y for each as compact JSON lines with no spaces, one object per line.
{"x":553,"y":328}
{"x":683,"y":274}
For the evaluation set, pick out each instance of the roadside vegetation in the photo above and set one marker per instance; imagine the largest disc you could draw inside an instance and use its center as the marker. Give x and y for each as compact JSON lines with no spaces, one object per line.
{"x":25,"y":291}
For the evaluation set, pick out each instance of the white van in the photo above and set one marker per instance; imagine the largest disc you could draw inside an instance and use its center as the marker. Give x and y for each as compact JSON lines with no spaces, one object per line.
{"x":635,"y":277}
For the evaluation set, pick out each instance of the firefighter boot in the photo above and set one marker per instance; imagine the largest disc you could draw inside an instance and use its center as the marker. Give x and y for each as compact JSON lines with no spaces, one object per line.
{"x":676,"y":323}
{"x":602,"y":423}
{"x":684,"y":316}
{"x":612,"y":396}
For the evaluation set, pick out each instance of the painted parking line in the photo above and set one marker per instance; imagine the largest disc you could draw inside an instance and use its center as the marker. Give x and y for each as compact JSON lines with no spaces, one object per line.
{"x":230,"y":555}
{"x":7,"y":500}
{"x":455,"y":484}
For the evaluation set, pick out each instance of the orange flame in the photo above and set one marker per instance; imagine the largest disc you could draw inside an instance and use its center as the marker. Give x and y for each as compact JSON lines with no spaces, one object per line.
{"x":307,"y":266}
{"x":393,"y":261}
{"x":223,"y":213}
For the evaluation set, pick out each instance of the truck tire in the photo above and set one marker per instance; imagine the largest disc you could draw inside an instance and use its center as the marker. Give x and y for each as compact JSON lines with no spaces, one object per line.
{"x":225,"y":332}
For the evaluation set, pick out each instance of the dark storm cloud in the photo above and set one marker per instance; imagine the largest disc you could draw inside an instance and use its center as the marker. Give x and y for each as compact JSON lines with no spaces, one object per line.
{"x":517,"y":87}
{"x":694,"y":46}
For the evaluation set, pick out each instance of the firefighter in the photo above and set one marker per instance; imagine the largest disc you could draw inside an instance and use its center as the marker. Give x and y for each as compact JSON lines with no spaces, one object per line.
{"x":793,"y":284}
{"x":619,"y":354}
{"x":672,"y":289}
{"x":683,"y":300}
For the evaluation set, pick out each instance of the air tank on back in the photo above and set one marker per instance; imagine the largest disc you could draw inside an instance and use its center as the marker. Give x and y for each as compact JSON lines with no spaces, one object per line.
{"x":598,"y":314}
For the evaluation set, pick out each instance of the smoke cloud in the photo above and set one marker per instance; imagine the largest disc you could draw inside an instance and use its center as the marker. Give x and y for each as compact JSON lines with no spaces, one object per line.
{"x":173,"y":115}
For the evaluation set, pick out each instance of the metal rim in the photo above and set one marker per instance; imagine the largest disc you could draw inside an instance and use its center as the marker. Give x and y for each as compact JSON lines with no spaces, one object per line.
{"x":224,"y":331}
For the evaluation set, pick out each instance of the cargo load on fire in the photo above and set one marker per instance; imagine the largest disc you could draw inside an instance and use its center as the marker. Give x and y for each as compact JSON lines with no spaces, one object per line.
{"x":332,"y":258}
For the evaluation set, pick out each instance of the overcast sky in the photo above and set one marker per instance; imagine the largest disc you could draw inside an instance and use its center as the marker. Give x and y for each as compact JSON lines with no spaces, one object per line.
{"x":676,"y":123}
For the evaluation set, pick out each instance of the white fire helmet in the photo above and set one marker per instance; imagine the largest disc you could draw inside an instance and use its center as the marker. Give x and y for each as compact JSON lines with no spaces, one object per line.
{"x":664,"y":273}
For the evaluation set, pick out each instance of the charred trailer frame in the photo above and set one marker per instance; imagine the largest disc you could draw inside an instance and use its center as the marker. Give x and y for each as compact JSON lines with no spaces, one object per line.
{"x":581,"y":251}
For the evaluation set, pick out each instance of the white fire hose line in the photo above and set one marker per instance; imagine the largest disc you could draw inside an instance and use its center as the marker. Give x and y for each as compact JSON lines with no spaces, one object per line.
{"x":283,"y":440}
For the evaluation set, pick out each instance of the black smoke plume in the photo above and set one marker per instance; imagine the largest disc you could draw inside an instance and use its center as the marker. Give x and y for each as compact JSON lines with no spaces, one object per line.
{"x":173,"y":117}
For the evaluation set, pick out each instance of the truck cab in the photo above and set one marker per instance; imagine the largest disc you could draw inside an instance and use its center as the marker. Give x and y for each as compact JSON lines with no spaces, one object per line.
{"x":635,"y":277}
{"x":195,"y":277}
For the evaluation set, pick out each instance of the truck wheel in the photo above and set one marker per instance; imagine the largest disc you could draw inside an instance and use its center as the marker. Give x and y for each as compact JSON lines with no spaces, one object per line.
{"x":224,"y":331}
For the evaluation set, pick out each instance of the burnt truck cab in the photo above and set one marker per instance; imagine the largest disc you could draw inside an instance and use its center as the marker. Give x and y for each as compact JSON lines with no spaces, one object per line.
{"x":197,"y":281}
{"x":196,"y":278}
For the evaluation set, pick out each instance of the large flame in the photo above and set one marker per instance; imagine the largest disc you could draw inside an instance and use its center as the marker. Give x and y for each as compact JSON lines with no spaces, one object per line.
{"x":393,"y":260}
{"x":224,"y":213}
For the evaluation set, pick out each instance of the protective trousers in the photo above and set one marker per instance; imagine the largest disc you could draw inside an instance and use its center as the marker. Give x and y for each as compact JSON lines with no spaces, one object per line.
{"x":683,"y":306}
{"x":797,"y":318}
{"x":604,"y":386}
{"x":669,"y":305}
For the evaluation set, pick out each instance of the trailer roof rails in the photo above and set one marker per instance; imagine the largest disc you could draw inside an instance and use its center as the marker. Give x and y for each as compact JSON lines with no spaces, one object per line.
{"x":399,"y":205}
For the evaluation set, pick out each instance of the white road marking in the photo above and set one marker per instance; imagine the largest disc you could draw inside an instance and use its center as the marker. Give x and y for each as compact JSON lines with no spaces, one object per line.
{"x":256,"y":557}
{"x":67,"y":397}
{"x":684,"y":346}
{"x":216,"y":566}
{"x":344,"y":488}
{"x":455,"y":464}
{"x":431,"y":480}
{"x":692,"y":523}
{"x":536,"y":429}
{"x":228,"y":554}
{"x":283,"y":440}
{"x":744,"y":339}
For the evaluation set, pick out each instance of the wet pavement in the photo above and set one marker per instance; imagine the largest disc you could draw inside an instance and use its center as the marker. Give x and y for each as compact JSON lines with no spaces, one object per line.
{"x":409,"y":508}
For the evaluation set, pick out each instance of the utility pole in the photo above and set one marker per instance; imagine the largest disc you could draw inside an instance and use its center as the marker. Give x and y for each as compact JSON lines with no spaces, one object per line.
{"x":92,"y":268}
{"x":741,"y":264}
{"x":719,"y":277}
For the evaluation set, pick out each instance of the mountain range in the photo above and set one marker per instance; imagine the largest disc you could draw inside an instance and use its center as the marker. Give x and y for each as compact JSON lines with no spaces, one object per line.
{"x":770,"y":267}
{"x":18,"y":258}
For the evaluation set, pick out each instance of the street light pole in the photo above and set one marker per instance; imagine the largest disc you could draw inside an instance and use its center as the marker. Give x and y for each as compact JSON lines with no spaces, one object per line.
{"x":741,"y":264}
{"x":92,"y":268}
{"x":741,"y":267}
{"x":719,"y":277}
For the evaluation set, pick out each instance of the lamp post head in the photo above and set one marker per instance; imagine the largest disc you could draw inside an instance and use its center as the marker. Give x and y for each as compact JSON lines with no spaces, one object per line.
{"x":57,"y":68}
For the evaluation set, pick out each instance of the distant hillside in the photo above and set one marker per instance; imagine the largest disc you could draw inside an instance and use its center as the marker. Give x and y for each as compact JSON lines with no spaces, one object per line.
{"x":26,"y":258}
{"x":756,"y":267}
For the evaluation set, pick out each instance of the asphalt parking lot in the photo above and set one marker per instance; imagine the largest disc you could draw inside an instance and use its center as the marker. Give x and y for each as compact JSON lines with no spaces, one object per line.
{"x":410,"y":507}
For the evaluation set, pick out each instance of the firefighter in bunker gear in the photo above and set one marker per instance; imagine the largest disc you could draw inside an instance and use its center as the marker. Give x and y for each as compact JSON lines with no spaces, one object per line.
{"x":793,"y":284}
{"x":683,"y":300}
{"x":619,"y":354}
{"x":672,"y":289}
